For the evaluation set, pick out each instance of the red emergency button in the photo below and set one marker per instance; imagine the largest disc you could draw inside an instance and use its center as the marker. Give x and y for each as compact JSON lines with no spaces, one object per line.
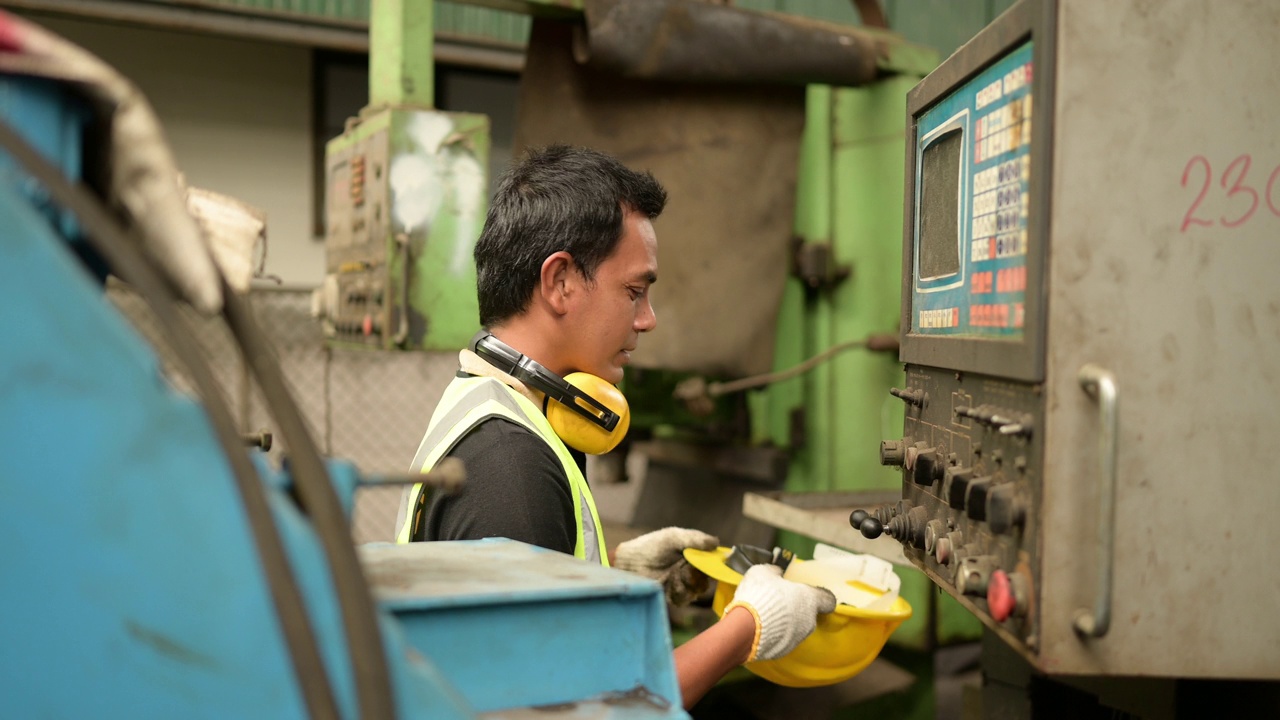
{"x":367,"y":325}
{"x":1000,"y":597}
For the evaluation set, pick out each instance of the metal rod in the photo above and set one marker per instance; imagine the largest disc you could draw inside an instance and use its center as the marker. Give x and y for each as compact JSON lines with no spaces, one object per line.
{"x":448,"y":475}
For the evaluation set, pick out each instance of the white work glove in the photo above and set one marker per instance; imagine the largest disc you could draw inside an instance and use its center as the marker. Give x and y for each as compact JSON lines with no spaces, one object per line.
{"x":785,"y":612}
{"x":660,"y":555}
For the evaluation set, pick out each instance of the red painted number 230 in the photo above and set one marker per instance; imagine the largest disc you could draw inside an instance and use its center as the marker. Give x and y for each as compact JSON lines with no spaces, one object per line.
{"x":1243,"y":196}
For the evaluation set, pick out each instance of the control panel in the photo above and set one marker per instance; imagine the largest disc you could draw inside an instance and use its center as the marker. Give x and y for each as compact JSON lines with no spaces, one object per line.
{"x":971,"y":460}
{"x":355,"y":291}
{"x":1085,"y":364}
{"x":405,"y":198}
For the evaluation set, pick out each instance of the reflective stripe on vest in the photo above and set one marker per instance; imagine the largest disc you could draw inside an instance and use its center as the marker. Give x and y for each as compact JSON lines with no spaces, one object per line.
{"x":466,"y":403}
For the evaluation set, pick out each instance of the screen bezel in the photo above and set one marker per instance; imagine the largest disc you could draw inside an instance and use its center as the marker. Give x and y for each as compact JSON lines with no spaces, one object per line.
{"x":1022,"y":359}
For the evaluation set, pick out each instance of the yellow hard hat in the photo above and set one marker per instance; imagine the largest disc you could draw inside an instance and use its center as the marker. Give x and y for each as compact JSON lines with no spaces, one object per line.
{"x":845,"y":641}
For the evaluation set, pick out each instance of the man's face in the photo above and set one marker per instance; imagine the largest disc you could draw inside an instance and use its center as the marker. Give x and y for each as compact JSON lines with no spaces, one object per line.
{"x":611,"y":313}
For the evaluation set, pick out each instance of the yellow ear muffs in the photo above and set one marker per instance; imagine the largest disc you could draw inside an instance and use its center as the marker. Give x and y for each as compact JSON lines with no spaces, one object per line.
{"x":580,"y":433}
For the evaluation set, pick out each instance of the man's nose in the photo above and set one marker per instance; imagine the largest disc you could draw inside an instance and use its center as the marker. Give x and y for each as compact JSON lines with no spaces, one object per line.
{"x":647,"y":319}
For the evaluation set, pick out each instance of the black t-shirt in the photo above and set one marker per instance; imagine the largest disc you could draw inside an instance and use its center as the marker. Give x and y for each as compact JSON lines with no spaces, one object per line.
{"x":515,"y":488}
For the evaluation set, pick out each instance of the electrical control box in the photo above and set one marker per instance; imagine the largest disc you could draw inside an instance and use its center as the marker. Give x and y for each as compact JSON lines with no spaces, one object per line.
{"x":405,"y":199}
{"x":1091,"y":335}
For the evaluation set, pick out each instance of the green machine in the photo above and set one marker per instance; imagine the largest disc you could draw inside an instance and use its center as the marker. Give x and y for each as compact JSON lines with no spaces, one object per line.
{"x":830,"y":419}
{"x":406,"y":195}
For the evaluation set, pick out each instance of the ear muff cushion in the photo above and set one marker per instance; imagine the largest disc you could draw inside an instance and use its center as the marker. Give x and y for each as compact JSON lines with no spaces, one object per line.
{"x":579,"y":433}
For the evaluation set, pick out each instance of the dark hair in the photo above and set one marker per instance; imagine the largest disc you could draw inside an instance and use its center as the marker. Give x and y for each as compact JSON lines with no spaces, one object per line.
{"x":556,"y":198}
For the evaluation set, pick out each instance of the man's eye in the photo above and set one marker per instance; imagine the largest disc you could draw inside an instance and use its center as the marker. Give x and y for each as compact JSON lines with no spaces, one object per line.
{"x":635,"y":293}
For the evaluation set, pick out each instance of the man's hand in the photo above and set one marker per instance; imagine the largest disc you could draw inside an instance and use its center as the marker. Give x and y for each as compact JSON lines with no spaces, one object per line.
{"x":660,"y":555}
{"x":786,"y":612}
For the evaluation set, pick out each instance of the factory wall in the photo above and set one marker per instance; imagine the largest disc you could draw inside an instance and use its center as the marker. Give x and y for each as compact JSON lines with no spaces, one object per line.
{"x":238,"y":116}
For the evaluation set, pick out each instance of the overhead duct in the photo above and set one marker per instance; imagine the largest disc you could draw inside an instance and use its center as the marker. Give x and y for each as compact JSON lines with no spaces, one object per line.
{"x":703,"y":42}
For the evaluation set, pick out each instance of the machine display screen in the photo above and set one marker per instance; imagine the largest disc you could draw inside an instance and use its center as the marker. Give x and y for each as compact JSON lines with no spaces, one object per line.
{"x":939,"y":207}
{"x":973,"y":165}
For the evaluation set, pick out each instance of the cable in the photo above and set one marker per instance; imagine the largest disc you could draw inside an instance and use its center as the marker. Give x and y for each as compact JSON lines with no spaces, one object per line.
{"x":320,"y":501}
{"x":872,"y":342}
{"x":112,"y":242}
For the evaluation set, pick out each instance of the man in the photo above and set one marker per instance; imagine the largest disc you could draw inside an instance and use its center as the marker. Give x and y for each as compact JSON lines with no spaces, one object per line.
{"x":564,"y":266}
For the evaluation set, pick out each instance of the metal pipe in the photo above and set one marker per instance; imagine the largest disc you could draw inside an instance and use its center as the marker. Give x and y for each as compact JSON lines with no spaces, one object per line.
{"x":701,"y":42}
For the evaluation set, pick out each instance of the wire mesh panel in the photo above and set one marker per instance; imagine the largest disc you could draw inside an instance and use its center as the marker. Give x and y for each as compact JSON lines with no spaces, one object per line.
{"x":367,"y":407}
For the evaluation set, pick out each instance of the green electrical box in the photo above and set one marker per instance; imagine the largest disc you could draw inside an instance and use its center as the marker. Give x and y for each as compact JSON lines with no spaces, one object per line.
{"x":406,"y":196}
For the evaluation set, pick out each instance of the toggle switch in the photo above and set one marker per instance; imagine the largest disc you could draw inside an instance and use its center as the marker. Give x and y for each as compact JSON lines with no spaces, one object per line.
{"x":975,"y":502}
{"x":928,"y":467}
{"x":955,"y":482}
{"x":910,"y":396}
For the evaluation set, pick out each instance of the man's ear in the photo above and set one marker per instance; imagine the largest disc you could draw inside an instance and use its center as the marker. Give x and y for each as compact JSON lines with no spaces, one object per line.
{"x":557,"y":281}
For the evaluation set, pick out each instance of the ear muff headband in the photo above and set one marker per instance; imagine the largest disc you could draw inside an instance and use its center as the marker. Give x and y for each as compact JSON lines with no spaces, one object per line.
{"x":509,"y":360}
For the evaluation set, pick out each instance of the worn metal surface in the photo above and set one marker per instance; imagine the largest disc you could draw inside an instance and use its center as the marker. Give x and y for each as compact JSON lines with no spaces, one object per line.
{"x":727,"y":156}
{"x":1187,"y":317}
{"x":440,"y":574}
{"x":1155,"y":215}
{"x":524,"y":626}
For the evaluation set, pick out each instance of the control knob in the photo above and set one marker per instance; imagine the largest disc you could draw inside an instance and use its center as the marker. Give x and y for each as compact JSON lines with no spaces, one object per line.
{"x":893,"y":452}
{"x":975,"y":502}
{"x":1004,"y":509}
{"x":955,"y":483}
{"x":928,"y":467}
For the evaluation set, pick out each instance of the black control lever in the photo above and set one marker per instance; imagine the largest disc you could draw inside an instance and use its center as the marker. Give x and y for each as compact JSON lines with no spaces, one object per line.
{"x":907,"y":526}
{"x":865,"y":523}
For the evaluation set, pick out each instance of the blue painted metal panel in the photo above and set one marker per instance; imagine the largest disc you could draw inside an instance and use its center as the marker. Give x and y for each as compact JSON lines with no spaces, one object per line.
{"x":131,"y":587}
{"x":53,"y":124}
{"x":521,"y":624}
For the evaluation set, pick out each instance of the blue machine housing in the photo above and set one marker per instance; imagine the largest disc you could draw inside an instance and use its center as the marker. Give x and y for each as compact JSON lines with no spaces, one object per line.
{"x":131,"y":585}
{"x":544,"y":627}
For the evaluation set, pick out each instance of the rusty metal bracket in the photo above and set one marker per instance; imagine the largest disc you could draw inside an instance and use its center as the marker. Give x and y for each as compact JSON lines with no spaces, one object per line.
{"x":816,"y":266}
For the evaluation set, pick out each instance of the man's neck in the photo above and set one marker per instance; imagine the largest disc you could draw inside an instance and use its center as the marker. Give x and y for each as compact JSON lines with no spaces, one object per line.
{"x":532,"y":341}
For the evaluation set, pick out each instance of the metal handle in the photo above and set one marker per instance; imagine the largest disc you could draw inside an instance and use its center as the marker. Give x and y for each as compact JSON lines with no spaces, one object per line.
{"x":1099,"y":383}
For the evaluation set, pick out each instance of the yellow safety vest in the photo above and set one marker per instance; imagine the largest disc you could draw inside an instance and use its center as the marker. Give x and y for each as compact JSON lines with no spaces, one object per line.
{"x":466,"y":403}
